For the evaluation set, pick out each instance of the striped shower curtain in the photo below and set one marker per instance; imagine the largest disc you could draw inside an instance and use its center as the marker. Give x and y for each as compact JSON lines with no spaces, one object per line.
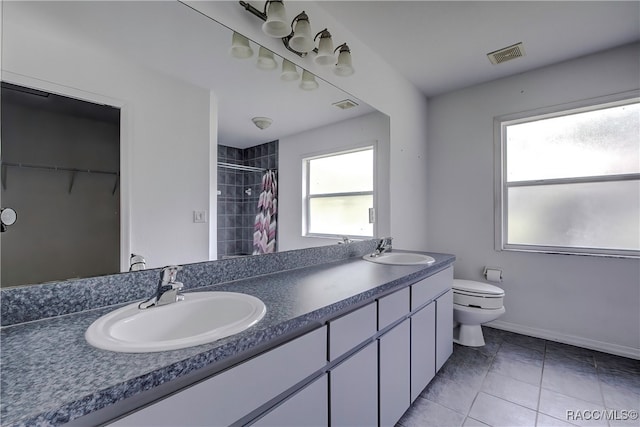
{"x":264,"y":234}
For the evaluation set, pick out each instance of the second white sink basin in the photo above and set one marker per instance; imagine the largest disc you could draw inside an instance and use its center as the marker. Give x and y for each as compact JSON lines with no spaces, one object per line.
{"x":400,"y":258}
{"x":201,"y":318}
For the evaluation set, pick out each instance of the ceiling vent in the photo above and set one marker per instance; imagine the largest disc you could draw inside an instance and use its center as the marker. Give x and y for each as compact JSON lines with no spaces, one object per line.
{"x":345,"y":104}
{"x":506,"y":54}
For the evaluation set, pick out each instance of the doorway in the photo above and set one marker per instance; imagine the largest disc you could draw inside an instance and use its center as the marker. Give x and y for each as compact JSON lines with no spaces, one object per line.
{"x":61,"y":174}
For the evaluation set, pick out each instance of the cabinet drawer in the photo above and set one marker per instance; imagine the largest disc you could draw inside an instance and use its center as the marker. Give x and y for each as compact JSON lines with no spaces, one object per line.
{"x":352,"y":329}
{"x":427,"y":289}
{"x":234,"y":393}
{"x":308,"y":407}
{"x":393,"y":307}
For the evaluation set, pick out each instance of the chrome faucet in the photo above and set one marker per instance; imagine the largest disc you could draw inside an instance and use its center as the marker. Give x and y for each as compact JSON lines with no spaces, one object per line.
{"x":345,"y":239}
{"x":384,"y":245}
{"x":168,"y":289}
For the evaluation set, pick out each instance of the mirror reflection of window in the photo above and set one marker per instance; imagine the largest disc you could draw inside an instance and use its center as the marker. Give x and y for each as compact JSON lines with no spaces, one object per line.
{"x":340,"y":194}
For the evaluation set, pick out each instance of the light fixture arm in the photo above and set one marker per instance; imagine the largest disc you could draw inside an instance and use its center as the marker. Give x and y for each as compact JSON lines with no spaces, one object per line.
{"x":257,"y":12}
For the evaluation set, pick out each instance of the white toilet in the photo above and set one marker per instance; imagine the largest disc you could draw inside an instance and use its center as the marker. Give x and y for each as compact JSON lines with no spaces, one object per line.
{"x":474,"y":303}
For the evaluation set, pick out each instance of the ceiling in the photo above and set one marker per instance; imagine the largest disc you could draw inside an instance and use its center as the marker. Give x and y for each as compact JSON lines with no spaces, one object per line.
{"x":441,"y":46}
{"x":175,"y":40}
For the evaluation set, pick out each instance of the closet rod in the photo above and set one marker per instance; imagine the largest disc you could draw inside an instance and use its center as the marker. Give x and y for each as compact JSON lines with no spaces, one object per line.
{"x":241,"y":167}
{"x":56,"y":168}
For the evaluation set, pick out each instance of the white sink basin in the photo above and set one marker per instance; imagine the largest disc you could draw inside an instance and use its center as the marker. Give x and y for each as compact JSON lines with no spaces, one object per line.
{"x":201,"y":318}
{"x":400,"y":258}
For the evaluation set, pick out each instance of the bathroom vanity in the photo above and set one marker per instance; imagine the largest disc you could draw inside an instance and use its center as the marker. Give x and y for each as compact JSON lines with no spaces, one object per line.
{"x":341,"y":337}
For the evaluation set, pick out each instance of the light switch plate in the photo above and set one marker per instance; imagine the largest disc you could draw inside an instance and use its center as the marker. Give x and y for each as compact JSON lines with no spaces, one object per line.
{"x":199,"y":216}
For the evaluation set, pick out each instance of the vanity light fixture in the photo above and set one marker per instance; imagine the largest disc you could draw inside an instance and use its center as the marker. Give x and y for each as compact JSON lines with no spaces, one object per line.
{"x":344,"y":67}
{"x":276,"y":23}
{"x":326,"y":55}
{"x":289,"y":71}
{"x":308,"y":81}
{"x":240,"y":47}
{"x":266,"y":61}
{"x":301,"y":41}
{"x":296,"y":37}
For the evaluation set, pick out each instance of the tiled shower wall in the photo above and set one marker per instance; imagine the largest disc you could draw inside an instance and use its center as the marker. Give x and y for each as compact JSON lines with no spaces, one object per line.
{"x":236,"y":208}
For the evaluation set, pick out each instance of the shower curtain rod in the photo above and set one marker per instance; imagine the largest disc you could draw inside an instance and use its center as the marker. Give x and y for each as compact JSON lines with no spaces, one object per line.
{"x":241,"y":167}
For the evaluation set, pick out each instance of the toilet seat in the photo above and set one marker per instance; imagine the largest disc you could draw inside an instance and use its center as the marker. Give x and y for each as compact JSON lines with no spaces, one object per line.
{"x":470,"y":293}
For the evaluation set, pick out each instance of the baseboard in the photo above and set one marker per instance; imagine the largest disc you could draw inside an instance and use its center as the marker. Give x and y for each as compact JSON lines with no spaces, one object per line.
{"x":619,"y":350}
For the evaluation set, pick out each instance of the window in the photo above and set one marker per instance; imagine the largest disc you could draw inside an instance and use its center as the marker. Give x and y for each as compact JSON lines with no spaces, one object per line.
{"x":340,"y":194}
{"x":570,"y":181}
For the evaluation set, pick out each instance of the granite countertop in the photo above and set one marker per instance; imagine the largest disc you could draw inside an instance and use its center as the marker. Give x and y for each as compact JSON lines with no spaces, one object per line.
{"x":50,"y":375}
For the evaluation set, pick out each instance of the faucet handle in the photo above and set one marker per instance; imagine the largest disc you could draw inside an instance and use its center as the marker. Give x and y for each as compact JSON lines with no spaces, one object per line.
{"x":384,"y":241}
{"x":169,"y":273}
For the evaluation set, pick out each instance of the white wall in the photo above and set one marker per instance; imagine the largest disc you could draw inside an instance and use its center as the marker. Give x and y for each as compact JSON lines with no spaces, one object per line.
{"x":166,"y":133}
{"x":376,"y":83}
{"x":364,"y":130}
{"x":584,"y":300}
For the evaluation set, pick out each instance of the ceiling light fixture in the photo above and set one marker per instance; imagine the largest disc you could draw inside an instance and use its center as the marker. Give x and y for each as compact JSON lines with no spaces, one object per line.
{"x":262,"y":122}
{"x":296,"y":37}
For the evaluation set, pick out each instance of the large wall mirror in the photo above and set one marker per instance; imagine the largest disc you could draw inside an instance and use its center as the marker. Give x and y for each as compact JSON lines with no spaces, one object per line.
{"x":184,"y":105}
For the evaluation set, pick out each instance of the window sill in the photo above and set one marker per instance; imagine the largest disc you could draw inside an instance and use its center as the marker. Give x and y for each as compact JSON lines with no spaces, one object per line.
{"x":558,"y":251}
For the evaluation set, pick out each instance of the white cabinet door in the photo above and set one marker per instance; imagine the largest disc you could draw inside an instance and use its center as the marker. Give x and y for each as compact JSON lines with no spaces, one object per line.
{"x":353,"y":386}
{"x":394,"y":360}
{"x":309,"y":407}
{"x":234,"y":393}
{"x":423,"y":352}
{"x":444,"y":328}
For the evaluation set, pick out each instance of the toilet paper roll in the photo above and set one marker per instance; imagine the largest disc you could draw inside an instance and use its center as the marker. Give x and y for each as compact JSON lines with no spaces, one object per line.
{"x":493,"y":275}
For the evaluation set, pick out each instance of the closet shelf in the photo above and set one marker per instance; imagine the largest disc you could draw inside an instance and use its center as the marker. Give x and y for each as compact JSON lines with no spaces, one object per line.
{"x":74,"y":172}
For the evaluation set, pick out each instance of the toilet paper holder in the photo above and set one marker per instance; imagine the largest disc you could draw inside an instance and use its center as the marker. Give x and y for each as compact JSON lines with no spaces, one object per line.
{"x":492,"y":274}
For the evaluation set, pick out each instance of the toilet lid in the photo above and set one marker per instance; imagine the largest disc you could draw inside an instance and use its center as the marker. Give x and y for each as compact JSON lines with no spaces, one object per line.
{"x":474,"y":287}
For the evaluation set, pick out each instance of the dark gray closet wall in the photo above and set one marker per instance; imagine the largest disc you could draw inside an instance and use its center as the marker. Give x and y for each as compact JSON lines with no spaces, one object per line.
{"x":68,"y":223}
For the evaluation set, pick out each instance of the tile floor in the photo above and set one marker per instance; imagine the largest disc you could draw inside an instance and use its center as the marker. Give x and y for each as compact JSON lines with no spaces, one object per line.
{"x":516,"y":380}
